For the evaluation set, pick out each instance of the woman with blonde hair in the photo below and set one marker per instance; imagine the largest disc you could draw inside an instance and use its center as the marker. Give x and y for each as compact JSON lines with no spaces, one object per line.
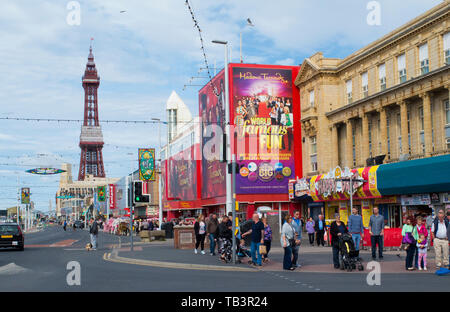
{"x":200,"y":233}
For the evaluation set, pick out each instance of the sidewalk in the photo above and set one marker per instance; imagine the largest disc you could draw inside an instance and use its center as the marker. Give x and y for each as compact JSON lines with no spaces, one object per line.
{"x":312,"y":259}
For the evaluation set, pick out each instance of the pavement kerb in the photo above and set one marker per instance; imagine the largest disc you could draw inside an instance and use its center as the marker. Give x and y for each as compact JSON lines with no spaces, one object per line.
{"x":113,"y":257}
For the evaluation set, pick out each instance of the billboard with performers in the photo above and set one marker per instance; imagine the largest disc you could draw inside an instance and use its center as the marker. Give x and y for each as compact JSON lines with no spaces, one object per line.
{"x":25,"y":195}
{"x":182,"y":175}
{"x":212,"y":114}
{"x":146,"y":164}
{"x":264,"y":107}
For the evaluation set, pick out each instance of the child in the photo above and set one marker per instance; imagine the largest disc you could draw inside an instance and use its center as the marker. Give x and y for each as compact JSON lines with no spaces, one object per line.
{"x":422,"y":244}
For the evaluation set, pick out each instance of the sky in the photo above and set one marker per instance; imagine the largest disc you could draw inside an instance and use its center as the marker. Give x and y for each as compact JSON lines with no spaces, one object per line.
{"x":141,"y":56}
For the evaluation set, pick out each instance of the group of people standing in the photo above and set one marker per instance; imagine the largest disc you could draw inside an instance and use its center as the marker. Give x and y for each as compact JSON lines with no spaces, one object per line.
{"x":219,"y":233}
{"x":416,"y":241}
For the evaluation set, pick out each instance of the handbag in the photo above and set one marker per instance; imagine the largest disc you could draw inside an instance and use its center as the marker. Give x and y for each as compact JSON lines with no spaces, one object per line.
{"x":409,"y":239}
{"x":262,"y":249}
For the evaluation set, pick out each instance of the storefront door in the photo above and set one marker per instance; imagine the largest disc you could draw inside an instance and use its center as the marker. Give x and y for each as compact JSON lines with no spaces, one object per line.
{"x":395,"y":216}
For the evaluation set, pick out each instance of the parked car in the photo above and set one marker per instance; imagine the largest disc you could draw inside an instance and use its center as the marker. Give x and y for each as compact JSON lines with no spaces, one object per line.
{"x":79,"y":224}
{"x":11,"y":236}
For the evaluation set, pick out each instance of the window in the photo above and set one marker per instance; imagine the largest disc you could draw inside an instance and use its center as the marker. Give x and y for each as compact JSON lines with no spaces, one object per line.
{"x":365,"y":84}
{"x":311,"y":98}
{"x":447,"y":48}
{"x":382,"y":76}
{"x":423,"y":58}
{"x":401,"y":64}
{"x":313,"y":153}
{"x":421,"y":132}
{"x":348,"y":84}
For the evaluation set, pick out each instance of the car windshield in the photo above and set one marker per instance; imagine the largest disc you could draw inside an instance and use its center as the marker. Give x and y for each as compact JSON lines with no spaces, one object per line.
{"x":8,"y":229}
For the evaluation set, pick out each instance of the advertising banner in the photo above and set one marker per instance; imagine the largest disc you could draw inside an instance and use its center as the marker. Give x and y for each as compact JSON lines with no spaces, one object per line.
{"x":182,"y":179}
{"x":112,"y":196}
{"x":101,"y":193}
{"x":25,"y":195}
{"x":147,"y":164}
{"x":262,"y":113}
{"x":212,"y":112}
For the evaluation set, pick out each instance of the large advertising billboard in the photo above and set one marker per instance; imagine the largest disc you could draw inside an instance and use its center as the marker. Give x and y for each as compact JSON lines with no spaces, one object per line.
{"x":212,"y":112}
{"x":182,"y":178}
{"x":263,"y":115}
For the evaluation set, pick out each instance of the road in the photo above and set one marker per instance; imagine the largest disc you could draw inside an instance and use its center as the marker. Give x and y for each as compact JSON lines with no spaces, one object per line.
{"x":42,"y":266}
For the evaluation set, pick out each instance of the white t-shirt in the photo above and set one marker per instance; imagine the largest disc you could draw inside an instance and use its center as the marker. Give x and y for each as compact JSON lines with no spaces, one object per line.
{"x":442,"y":230}
{"x":202,"y":229}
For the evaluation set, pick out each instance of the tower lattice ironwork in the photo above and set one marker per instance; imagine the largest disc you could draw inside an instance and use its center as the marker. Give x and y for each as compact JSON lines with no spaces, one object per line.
{"x":91,"y":138}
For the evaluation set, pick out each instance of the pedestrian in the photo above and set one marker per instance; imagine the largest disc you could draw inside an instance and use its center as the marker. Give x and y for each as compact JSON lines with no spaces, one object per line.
{"x":356,"y":228}
{"x":376,"y":231}
{"x":421,"y":229}
{"x":310,"y":230}
{"x":200,"y":233}
{"x":224,"y":235}
{"x":439,"y":234}
{"x":93,"y":231}
{"x":65,"y":225}
{"x":267,"y":238}
{"x":409,"y":234}
{"x":337,"y":228}
{"x":320,"y":230}
{"x":287,"y":241}
{"x":73,"y":225}
{"x":422,"y":244}
{"x":297,"y":224}
{"x":257,"y":238}
{"x":211,"y":229}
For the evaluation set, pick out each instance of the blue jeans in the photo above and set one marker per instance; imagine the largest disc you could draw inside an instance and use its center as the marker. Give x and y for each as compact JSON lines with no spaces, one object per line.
{"x":94,"y":241}
{"x":254,"y":250}
{"x":295,"y":255}
{"x":287,"y":260}
{"x":212,"y":244}
{"x":357,"y":240}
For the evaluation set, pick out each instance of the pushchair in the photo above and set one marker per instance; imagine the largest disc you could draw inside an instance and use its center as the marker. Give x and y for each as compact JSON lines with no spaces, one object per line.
{"x":225,"y":249}
{"x":349,"y":257}
{"x":242,"y":251}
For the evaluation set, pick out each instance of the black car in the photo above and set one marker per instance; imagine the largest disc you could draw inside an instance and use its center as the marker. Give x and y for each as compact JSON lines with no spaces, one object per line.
{"x":79,"y":224}
{"x":11,"y":236}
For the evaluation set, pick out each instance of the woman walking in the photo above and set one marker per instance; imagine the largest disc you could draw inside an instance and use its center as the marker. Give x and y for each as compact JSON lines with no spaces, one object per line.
{"x":200,"y":234}
{"x":337,"y":228}
{"x":267,"y":238}
{"x":409,"y":234}
{"x":310,"y":230}
{"x":288,"y":242}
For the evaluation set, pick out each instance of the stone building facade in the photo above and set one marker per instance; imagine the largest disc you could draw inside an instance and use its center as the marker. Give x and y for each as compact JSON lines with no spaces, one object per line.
{"x":389,"y":98}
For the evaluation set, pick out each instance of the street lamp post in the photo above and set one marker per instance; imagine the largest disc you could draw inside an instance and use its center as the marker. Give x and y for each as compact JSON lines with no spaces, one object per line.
{"x":250,"y":24}
{"x":159,"y":177}
{"x":230,"y":192}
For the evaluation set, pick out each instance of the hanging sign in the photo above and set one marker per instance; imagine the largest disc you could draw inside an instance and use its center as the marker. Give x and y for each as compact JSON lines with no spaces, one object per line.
{"x":147,"y":164}
{"x":45,"y":171}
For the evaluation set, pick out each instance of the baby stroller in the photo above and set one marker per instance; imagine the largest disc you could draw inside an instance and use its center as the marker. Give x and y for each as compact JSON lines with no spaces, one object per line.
{"x":225,"y":249}
{"x":349,"y":255}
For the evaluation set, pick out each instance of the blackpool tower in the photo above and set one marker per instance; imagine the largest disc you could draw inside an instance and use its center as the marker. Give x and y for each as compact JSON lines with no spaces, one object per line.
{"x":91,"y":138}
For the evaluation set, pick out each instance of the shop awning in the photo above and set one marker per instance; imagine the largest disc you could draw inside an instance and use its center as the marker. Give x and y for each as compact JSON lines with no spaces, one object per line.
{"x":425,"y":175}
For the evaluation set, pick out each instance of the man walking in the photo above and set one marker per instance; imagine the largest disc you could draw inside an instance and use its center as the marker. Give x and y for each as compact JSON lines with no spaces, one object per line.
{"x":297,"y":225}
{"x":211,"y":228}
{"x":93,"y":231}
{"x":356,"y":228}
{"x":257,"y":232}
{"x":376,"y":230}
{"x":320,"y":230}
{"x":65,"y":225}
{"x":439,"y":233}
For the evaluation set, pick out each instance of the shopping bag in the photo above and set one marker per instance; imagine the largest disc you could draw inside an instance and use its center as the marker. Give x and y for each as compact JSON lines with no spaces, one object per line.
{"x":325,"y":236}
{"x":262,"y":249}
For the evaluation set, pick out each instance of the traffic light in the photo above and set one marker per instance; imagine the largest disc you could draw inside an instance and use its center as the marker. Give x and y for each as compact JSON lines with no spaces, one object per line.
{"x":137,"y":193}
